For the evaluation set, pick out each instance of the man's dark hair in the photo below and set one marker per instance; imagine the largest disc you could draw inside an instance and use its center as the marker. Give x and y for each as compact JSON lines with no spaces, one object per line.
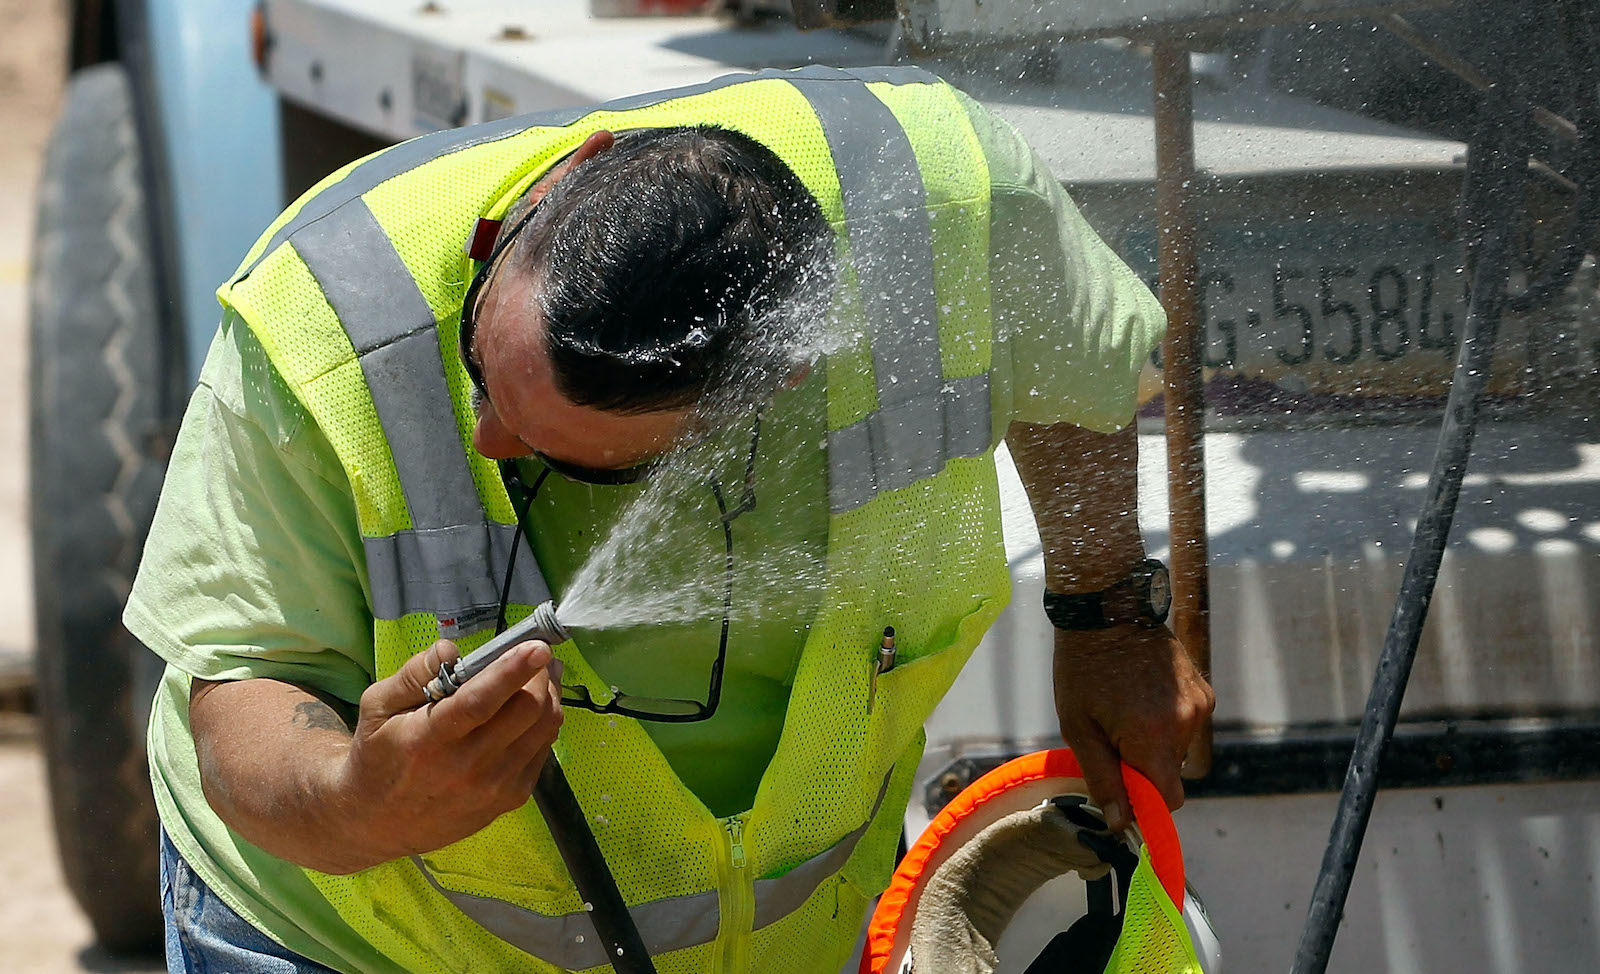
{"x":672,"y":265}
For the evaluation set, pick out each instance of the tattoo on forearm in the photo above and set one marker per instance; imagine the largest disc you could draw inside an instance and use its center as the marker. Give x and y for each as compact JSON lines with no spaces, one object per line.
{"x":316,"y":715}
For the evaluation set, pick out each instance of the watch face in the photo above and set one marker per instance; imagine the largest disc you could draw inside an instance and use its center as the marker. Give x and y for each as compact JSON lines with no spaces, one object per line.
{"x":1159,"y":592}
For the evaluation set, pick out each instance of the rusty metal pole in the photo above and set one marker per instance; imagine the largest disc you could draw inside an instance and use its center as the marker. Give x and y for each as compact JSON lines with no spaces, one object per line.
{"x":1181,"y":356}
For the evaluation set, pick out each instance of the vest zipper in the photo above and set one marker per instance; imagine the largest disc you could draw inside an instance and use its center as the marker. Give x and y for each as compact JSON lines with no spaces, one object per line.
{"x":736,"y":841}
{"x":737,"y":900}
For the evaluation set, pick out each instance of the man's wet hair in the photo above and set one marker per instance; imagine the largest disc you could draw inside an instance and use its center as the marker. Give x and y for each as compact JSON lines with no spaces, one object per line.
{"x":681,"y":262}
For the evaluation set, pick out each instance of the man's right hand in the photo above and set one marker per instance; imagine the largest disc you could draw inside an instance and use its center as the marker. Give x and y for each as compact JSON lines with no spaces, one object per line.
{"x":438,"y":772}
{"x":282,"y":769}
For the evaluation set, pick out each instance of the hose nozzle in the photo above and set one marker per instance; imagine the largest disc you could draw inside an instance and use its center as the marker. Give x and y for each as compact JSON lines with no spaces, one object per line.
{"x":540,"y":624}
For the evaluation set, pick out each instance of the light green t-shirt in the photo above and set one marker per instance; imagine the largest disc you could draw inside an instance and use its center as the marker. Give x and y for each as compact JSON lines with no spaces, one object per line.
{"x":254,"y":566}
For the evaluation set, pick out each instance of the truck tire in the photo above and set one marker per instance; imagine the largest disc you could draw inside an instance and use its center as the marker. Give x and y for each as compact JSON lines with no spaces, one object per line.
{"x":99,"y":395}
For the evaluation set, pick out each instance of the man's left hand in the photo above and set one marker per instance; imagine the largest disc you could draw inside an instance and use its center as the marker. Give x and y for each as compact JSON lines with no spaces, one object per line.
{"x":1128,"y":693}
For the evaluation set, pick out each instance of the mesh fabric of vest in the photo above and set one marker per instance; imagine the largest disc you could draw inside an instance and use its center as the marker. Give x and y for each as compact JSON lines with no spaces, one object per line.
{"x":927,"y":559}
{"x":1154,"y":939}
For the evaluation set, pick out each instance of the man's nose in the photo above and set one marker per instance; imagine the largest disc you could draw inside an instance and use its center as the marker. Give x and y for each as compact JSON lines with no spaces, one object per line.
{"x":491,"y":438}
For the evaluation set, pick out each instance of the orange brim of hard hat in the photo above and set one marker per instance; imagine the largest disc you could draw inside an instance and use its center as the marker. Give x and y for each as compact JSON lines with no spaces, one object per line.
{"x":1028,"y":771}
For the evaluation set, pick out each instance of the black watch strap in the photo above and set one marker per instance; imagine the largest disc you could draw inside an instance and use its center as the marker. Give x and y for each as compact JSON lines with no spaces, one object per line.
{"x":1081,"y":611}
{"x":1142,"y":597}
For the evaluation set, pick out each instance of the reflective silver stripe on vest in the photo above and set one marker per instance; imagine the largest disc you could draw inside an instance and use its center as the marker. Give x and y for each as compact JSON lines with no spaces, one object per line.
{"x":451,"y":562}
{"x":968,"y":417}
{"x":778,"y":897}
{"x":891,"y":244}
{"x":895,"y":74}
{"x":960,"y":419}
{"x":392,"y":328}
{"x":569,"y":941}
{"x":443,"y":571}
{"x":922,"y":421}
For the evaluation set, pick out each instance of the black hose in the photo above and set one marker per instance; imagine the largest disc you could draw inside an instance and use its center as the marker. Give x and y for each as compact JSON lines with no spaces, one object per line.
{"x":1497,"y":163}
{"x":613,"y":924}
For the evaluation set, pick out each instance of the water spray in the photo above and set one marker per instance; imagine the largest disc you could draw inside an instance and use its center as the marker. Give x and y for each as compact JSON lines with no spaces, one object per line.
{"x":591,"y":875}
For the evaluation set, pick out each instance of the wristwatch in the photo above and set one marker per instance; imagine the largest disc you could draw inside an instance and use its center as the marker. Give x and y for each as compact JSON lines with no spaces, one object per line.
{"x":1143,"y":597}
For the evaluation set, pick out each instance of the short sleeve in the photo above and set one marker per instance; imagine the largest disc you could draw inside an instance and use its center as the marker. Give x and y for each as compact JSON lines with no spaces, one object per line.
{"x":254,"y":566}
{"x":1074,"y":324}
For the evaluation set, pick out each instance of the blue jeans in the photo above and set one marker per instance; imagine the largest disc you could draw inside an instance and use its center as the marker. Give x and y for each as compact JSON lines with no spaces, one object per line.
{"x":205,"y":935}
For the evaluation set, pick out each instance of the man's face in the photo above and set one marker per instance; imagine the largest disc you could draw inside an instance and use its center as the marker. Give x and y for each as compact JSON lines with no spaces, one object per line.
{"x":525,"y":412}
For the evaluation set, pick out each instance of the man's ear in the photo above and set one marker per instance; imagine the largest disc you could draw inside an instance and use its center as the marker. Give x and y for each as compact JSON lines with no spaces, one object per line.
{"x":797,"y":375}
{"x":596,"y":143}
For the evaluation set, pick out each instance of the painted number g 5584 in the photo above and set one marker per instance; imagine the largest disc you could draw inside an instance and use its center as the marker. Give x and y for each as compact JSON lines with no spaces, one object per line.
{"x":1294,"y":311}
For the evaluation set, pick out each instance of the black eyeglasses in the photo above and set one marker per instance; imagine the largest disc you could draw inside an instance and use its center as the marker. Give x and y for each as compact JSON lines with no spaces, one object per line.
{"x":670,"y":710}
{"x":600,"y":476}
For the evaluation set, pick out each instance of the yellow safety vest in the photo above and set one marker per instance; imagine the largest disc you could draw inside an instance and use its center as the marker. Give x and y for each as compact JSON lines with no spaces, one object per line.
{"x":355,"y":294}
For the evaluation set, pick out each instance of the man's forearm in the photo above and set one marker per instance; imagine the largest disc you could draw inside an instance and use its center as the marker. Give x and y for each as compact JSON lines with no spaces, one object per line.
{"x":283,"y":768}
{"x":270,"y":754}
{"x":1084,"y":490}
{"x":1125,"y":693}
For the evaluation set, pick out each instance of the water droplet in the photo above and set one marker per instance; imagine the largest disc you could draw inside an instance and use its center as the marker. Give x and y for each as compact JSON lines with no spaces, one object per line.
{"x":588,"y":907}
{"x":579,"y":938}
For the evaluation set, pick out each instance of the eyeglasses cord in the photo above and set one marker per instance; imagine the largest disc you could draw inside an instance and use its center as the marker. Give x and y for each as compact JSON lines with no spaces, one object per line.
{"x":516,"y":537}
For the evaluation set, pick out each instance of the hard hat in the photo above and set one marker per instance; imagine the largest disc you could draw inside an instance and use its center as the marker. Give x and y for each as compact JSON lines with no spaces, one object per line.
{"x":1007,"y":834}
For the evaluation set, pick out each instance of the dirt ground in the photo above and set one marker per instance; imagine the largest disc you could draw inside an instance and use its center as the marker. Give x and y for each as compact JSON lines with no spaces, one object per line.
{"x":31,"y":70}
{"x":41,"y":930}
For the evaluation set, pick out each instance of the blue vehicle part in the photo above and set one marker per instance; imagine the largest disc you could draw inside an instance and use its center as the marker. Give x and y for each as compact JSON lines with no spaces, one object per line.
{"x":220,"y":143}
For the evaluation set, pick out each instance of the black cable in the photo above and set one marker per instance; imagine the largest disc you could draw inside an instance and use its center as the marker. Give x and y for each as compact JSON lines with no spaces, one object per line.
{"x":591,"y":875}
{"x":1497,"y":162}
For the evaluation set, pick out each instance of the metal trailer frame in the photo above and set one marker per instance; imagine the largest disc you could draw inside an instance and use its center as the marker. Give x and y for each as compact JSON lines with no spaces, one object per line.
{"x":1491,"y":184}
{"x":935,"y":25}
